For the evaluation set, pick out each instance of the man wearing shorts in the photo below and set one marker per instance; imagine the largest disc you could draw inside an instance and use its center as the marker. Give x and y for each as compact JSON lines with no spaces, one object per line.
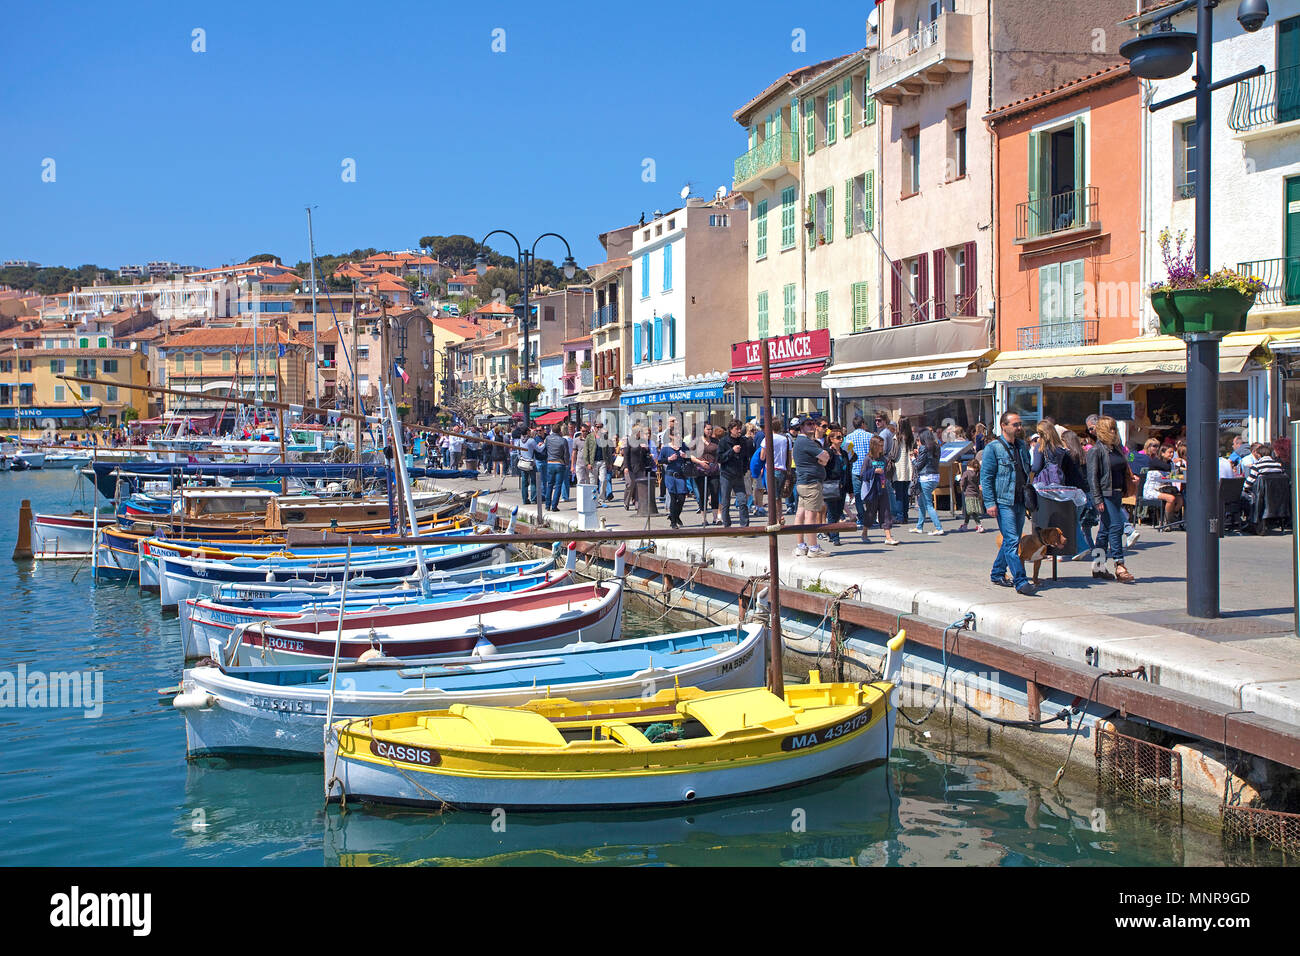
{"x":810,"y":460}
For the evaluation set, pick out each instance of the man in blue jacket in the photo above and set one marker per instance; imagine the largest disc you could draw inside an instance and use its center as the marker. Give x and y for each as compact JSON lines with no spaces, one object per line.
{"x":1004,"y":473}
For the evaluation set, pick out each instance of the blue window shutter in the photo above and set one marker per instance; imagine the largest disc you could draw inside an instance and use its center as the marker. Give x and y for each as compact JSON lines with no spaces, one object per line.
{"x":668,"y":267}
{"x":636,"y":344}
{"x":647,"y":339}
{"x":659,"y":337}
{"x":672,"y":337}
{"x":645,"y":276}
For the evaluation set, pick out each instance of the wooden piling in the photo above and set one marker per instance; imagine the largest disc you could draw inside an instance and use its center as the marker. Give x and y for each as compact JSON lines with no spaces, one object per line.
{"x":23,"y":547}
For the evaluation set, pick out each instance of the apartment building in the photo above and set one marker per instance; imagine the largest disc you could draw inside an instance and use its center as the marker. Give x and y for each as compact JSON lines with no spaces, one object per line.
{"x":33,"y":394}
{"x":611,"y":328}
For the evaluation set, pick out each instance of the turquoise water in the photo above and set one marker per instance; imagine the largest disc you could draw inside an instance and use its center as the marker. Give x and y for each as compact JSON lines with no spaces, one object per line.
{"x":117,"y":790}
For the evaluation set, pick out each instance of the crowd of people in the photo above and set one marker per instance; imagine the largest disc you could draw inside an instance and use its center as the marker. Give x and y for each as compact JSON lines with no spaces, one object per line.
{"x":821,"y":472}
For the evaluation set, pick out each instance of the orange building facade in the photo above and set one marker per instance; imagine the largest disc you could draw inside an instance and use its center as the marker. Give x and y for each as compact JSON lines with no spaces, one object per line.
{"x":1067,"y":168}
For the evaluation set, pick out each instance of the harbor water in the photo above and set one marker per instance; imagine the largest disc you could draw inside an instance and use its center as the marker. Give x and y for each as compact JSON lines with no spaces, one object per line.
{"x":108,"y":784}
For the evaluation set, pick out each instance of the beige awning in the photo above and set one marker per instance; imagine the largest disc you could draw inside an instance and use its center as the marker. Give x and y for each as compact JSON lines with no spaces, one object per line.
{"x":1157,"y":354}
{"x":920,"y":370}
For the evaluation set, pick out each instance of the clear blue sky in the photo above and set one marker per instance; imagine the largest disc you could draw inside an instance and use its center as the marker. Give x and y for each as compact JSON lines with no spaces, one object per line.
{"x":164,"y":153}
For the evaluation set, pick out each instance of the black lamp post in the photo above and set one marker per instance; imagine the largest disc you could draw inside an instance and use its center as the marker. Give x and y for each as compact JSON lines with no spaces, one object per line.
{"x":525,"y":267}
{"x":1160,"y":55}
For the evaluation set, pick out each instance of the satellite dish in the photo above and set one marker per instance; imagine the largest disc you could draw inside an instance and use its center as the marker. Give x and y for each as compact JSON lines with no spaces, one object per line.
{"x":686,"y":191}
{"x":720,"y":192}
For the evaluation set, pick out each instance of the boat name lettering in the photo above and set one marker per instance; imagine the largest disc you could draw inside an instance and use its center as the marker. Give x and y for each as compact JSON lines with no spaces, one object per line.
{"x":738,"y":662}
{"x":280,"y":703}
{"x":282,"y":643}
{"x":420,"y":755}
{"x":814,"y":737}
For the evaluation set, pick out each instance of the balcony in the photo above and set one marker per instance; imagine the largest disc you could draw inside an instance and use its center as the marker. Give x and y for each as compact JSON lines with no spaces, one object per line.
{"x":1282,"y":276}
{"x":1064,"y":215}
{"x":766,"y":162}
{"x":1266,"y":105}
{"x":926,"y":58}
{"x":1057,"y":334}
{"x":605,"y":315}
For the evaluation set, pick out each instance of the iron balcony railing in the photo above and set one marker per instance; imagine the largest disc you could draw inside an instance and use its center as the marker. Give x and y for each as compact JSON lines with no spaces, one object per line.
{"x":1058,"y":334}
{"x":1071,"y":209}
{"x":1282,"y":276}
{"x":1266,"y":100}
{"x":768,"y":154}
{"x":605,"y":315}
{"x":909,"y":46}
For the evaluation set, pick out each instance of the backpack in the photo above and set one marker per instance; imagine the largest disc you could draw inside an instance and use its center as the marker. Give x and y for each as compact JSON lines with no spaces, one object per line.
{"x":1052,"y":474}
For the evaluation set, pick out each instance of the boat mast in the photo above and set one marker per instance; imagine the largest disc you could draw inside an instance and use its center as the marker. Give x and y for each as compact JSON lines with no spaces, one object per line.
{"x":315,"y":364}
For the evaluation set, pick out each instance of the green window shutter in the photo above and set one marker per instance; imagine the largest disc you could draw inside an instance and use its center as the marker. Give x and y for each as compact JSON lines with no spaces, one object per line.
{"x":794,"y":128}
{"x":812,"y":233}
{"x":1032,"y":171}
{"x":832,"y":98}
{"x":861,"y":314}
{"x":848,"y":208}
{"x":753,"y":137}
{"x":762,"y":315}
{"x":760,"y":214}
{"x":869,"y":199}
{"x":830,"y":214}
{"x":1049,"y":290}
{"x":846,"y":108}
{"x":1073,"y":291}
{"x":823,"y":310}
{"x":868,"y":101}
{"x":789,"y":317}
{"x":788,"y":217}
{"x":809,"y":126}
{"x":1080,"y":159}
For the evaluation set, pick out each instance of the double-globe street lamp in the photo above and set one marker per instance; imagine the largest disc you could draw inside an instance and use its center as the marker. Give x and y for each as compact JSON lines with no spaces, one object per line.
{"x":525,"y":261}
{"x":1160,"y":55}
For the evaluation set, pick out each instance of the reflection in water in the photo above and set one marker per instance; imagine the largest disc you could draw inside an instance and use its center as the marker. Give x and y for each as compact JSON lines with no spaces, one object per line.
{"x":950,"y":799}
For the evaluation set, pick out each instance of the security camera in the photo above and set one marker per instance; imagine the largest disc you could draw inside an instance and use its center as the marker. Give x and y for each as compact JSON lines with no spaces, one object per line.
{"x":1251,"y":14}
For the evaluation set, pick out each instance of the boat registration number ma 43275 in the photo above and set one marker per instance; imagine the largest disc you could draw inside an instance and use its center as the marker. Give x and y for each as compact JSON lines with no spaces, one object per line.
{"x":814,"y":737}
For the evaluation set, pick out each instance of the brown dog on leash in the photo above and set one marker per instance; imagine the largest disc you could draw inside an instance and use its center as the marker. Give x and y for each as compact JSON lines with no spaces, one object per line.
{"x":1035,"y":547}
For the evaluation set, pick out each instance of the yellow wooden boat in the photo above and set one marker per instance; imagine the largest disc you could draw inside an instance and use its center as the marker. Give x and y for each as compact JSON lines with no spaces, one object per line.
{"x":678,"y":746}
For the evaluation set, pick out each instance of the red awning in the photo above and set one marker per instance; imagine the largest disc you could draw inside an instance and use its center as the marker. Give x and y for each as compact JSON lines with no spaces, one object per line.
{"x":755,"y":373}
{"x":551,"y":418}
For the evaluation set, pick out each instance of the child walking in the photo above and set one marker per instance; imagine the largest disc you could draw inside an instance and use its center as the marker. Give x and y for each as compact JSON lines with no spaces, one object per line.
{"x":972,"y":504}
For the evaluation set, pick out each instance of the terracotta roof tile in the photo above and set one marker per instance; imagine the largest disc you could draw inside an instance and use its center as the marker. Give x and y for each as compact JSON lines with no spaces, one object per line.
{"x":1100,"y":77}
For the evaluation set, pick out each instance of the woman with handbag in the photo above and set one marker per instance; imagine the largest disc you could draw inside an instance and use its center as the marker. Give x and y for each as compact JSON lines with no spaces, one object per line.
{"x":706,"y":474}
{"x":873,"y":504}
{"x":838,"y":485}
{"x":1109,"y":480}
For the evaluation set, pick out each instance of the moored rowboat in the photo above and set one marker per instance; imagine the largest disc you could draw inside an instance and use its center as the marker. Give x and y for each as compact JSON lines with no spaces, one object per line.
{"x":678,"y":746}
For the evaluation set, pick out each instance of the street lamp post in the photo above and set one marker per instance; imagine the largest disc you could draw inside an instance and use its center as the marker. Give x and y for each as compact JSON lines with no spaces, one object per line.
{"x":1162,"y":54}
{"x":525,"y":265}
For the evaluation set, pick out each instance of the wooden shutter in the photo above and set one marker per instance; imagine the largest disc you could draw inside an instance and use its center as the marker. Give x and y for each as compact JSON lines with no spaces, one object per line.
{"x":668,"y":266}
{"x":869,"y":199}
{"x":1288,"y":66}
{"x":848,"y":208}
{"x":1049,"y":291}
{"x":846,"y":107}
{"x":636,"y":344}
{"x":832,"y":99}
{"x":1074,"y":299}
{"x":762,"y":315}
{"x":1034,"y":212}
{"x":812,"y":233}
{"x":794,"y":128}
{"x":971,"y":282}
{"x":940,"y":283}
{"x":922,"y":287}
{"x":810,"y":125}
{"x":830,"y":214}
{"x":895,"y":295}
{"x":672,"y":336}
{"x":868,"y":101}
{"x":1080,"y":172}
{"x":659,"y":338}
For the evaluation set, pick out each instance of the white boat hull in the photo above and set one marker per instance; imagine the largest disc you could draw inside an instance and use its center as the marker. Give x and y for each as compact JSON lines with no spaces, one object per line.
{"x":62,"y":536}
{"x":408,"y":784}
{"x":244,"y":719}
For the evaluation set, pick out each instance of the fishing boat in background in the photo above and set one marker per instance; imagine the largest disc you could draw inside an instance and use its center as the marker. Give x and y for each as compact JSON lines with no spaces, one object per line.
{"x":675,"y":747}
{"x":282,"y":710}
{"x":489,"y":622}
{"x":56,"y":537}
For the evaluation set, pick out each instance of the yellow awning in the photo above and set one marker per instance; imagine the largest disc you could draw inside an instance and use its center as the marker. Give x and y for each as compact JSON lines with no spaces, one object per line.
{"x":1145,"y":356}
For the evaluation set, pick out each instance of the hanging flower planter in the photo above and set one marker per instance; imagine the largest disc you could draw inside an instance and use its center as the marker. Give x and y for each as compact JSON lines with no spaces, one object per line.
{"x":524,"y":392}
{"x":1188,"y":303}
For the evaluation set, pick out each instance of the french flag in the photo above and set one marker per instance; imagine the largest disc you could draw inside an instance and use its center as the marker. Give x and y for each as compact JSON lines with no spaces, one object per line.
{"x":402,"y":372}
